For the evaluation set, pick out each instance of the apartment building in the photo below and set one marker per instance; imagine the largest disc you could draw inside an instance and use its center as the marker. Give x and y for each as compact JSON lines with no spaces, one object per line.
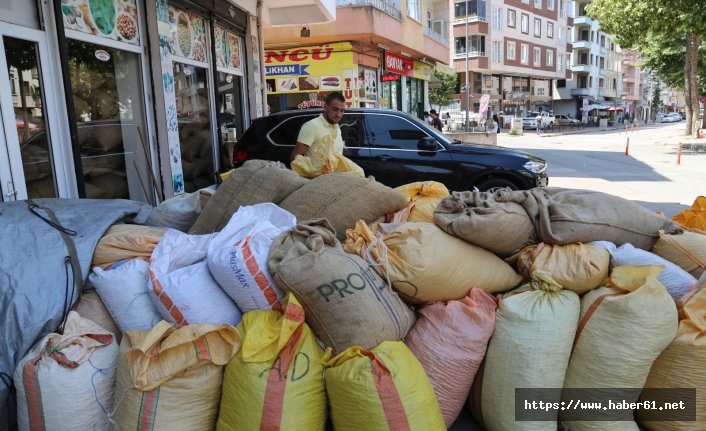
{"x":379,"y":53}
{"x":513,"y":51}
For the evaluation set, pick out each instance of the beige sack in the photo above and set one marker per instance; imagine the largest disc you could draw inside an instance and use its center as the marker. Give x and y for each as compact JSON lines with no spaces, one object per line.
{"x":425,"y":195}
{"x":126,"y":241}
{"x":343,"y":199}
{"x":501,"y":227}
{"x":624,"y":327}
{"x":530,"y":348}
{"x":683,"y":364}
{"x":577,"y":267}
{"x":255,"y":182}
{"x":687,"y":251}
{"x":170,"y":379}
{"x":425,"y":264}
{"x":90,"y":306}
{"x":346,"y":303}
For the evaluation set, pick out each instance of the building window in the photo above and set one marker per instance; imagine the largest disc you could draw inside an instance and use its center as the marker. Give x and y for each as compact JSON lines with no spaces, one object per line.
{"x":550,"y":4}
{"x":413,"y":9}
{"x":524,"y":23}
{"x":524,"y":53}
{"x":476,"y":43}
{"x":497,"y":51}
{"x":511,"y":50}
{"x":561,"y":34}
{"x":469,"y":8}
{"x":562,"y":8}
{"x":550,"y":58}
{"x":537,"y":57}
{"x":525,"y":1}
{"x":497,"y":18}
{"x":511,"y":18}
{"x":429,"y":20}
{"x":538,"y":27}
{"x":550,"y":29}
{"x":561,"y":83}
{"x":560,"y":61}
{"x":538,"y":4}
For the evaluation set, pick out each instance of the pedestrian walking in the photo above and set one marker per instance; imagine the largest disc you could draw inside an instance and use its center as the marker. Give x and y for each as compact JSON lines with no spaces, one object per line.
{"x":539,"y":124}
{"x":494,"y":125}
{"x":435,"y":120}
{"x":427,"y":117}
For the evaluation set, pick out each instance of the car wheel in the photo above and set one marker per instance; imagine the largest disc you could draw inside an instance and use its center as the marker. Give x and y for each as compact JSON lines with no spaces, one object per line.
{"x":493,"y":184}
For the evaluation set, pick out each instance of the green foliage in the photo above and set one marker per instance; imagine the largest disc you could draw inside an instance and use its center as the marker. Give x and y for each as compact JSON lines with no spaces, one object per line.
{"x":442,"y":96}
{"x":664,"y":56}
{"x":514,"y":132}
{"x":656,"y":102}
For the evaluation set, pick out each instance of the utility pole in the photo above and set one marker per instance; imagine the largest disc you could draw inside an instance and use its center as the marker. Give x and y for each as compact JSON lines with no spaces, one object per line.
{"x":468,"y":87}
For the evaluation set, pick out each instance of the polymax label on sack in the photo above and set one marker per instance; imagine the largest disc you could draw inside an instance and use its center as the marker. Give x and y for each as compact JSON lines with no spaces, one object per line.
{"x":251,"y":277}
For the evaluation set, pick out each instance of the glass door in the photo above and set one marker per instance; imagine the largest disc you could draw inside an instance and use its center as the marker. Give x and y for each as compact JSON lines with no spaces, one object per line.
{"x":30,"y":160}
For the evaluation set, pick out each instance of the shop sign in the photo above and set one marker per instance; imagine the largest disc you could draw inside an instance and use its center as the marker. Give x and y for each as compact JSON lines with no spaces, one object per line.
{"x":311,"y":104}
{"x":422,"y":71}
{"x":308,"y":69}
{"x":398,"y":64}
{"x":102,"y":55}
{"x":390,"y":77}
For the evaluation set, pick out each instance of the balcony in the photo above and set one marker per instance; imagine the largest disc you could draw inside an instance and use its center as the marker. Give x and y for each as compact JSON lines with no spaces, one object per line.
{"x":583,"y":20}
{"x":471,"y":54}
{"x":582,"y":44}
{"x":282,"y":12}
{"x":389,"y":7}
{"x":581,"y":68}
{"x":580,"y":91}
{"x":442,"y":38}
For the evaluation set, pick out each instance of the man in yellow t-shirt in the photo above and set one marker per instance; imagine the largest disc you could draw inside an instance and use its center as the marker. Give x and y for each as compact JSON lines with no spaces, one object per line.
{"x":319,"y":148}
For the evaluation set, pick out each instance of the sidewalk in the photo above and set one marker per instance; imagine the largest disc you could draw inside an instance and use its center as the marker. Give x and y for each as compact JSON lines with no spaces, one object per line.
{"x":591,"y":130}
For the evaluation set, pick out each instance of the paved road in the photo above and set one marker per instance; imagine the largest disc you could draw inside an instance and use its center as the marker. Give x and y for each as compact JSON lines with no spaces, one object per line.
{"x":596,"y":160}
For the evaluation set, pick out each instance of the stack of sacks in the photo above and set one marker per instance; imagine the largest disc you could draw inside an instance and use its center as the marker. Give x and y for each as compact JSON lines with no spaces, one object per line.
{"x":183,"y":289}
{"x":424,"y":196}
{"x":237,"y":256}
{"x":257,"y":181}
{"x":126,"y":241}
{"x":530,"y":348}
{"x":276,"y":381}
{"x":345,"y":301}
{"x":170,"y":378}
{"x":694,"y":217}
{"x":66,"y":382}
{"x":91,"y":307}
{"x":381,"y":388}
{"x":624,"y":327}
{"x":343,"y":199}
{"x":577,"y":267}
{"x":449,"y":340}
{"x":687,"y":250}
{"x":125,"y":293}
{"x":425,"y":264}
{"x":677,"y":281}
{"x":681,"y":364}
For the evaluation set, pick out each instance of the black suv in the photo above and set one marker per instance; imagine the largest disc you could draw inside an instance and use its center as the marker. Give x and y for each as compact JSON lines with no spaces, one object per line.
{"x":398,"y":149}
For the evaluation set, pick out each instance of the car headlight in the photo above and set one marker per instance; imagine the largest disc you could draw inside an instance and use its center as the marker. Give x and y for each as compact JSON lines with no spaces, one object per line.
{"x":536,"y":167}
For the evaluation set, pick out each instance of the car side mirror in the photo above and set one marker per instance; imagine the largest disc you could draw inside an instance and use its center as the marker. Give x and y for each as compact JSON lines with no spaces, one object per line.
{"x":427,"y":143}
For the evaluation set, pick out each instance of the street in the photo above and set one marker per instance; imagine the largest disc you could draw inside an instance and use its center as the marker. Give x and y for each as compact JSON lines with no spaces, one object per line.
{"x":596,"y":160}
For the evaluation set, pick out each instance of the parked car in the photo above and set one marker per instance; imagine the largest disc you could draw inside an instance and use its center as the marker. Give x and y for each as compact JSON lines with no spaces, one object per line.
{"x":565,"y":120}
{"x":397,"y":149}
{"x":664,"y":117}
{"x":675,"y":117}
{"x":530,"y":121}
{"x":682,"y":115}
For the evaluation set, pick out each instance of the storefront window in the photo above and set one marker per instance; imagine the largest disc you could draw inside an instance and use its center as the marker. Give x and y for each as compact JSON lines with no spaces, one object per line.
{"x":108,"y":100}
{"x":194,"y":123}
{"x":230,"y":111}
{"x":391,"y":95}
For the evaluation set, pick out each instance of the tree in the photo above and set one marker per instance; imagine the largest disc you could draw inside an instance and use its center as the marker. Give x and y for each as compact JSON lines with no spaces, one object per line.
{"x":636,"y":24}
{"x":656,"y":103}
{"x":442,"y":95}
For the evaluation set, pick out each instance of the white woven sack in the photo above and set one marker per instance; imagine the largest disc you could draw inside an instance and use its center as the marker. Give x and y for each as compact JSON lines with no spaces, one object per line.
{"x":237,"y":256}
{"x":125,"y":293}
{"x":181,"y":285}
{"x":677,"y":281}
{"x":66,"y":382}
{"x":179,"y":212}
{"x":530,"y":348}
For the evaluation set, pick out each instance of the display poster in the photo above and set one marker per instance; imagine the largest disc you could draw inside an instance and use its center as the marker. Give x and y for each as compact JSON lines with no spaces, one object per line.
{"x":110,"y":19}
{"x":422,"y":70}
{"x":188,"y":35}
{"x":228,"y":50}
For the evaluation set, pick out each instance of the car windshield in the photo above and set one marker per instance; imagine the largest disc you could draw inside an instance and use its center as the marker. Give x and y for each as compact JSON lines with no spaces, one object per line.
{"x":432,"y":131}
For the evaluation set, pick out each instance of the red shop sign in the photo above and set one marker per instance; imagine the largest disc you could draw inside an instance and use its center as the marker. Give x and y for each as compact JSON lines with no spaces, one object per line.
{"x":390,"y":77}
{"x":398,"y":64}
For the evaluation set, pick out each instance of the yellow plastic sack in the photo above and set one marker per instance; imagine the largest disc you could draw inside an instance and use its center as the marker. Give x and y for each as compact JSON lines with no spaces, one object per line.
{"x":425,"y":195}
{"x":170,"y":378}
{"x":276,"y":379}
{"x":381,"y":389}
{"x":683,"y":363}
{"x":624,"y":327}
{"x":311,"y":168}
{"x":694,"y":217}
{"x":126,"y":241}
{"x":425,"y":264}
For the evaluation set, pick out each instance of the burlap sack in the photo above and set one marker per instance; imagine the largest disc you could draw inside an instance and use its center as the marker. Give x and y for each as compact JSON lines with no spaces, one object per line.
{"x":687,"y":250}
{"x":577,"y":267}
{"x":501,"y":227}
{"x":126,"y":241}
{"x":345,"y":301}
{"x":255,"y":182}
{"x":343,"y":199}
{"x":566,"y":216}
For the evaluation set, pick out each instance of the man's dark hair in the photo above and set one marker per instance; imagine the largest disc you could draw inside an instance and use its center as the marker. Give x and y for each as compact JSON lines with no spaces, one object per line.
{"x":432,"y":111}
{"x":425,"y":113}
{"x":336,"y":95}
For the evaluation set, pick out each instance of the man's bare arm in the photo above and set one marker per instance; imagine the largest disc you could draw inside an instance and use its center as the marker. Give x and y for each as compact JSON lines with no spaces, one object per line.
{"x":299,"y":149}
